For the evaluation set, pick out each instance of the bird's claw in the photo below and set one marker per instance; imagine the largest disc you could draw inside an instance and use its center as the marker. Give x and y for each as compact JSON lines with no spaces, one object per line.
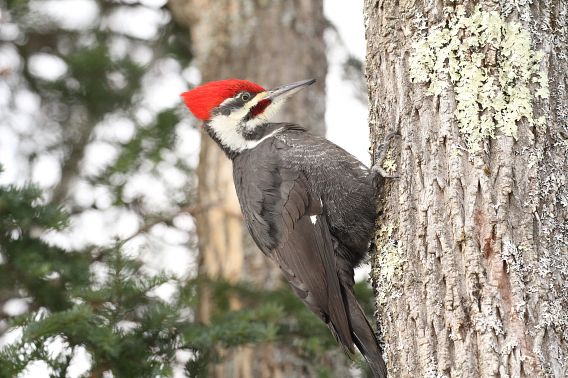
{"x":377,"y":168}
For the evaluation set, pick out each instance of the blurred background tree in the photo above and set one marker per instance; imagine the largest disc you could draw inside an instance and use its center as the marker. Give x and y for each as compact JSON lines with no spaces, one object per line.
{"x":97,"y":257}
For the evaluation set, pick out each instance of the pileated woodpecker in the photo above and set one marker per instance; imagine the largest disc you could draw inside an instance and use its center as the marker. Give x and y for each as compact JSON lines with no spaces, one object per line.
{"x":308,"y":204}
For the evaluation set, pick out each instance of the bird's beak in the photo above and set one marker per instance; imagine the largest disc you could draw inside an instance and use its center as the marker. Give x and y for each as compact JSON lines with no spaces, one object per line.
{"x":283,"y":92}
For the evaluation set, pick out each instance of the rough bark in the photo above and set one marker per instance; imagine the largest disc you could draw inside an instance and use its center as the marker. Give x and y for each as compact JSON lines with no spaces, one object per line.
{"x":472,"y":261}
{"x":272,"y":43}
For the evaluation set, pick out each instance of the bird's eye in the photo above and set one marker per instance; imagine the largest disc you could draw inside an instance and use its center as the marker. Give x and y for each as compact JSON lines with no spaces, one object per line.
{"x":245,"y":96}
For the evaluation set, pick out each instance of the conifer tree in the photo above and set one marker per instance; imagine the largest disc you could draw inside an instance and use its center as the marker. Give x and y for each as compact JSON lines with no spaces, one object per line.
{"x":100,"y":299}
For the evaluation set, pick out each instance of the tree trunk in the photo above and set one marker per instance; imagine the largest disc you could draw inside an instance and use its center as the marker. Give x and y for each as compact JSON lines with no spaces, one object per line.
{"x":471,"y":270}
{"x":272,"y":43}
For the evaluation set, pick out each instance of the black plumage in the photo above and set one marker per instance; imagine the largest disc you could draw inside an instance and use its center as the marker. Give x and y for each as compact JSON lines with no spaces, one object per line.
{"x":309,"y":206}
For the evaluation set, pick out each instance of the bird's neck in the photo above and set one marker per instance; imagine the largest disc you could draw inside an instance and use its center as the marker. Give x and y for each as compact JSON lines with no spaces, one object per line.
{"x":235,"y":139}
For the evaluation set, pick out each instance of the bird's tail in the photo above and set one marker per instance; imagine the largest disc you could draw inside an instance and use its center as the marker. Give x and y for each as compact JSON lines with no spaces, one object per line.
{"x":365,"y":339}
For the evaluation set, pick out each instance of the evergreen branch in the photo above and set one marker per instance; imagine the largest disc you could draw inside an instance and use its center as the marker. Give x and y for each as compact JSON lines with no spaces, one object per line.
{"x":168,"y":219}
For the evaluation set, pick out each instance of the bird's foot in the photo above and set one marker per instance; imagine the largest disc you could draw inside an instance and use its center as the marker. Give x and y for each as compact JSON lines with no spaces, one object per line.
{"x":377,"y":168}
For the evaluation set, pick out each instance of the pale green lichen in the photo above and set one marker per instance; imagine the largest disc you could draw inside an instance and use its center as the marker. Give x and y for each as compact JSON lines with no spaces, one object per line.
{"x":389,"y":164}
{"x":389,"y":262}
{"x":490,"y":66}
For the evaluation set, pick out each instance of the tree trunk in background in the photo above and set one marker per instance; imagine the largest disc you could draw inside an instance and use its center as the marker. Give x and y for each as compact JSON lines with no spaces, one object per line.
{"x":471,"y":271}
{"x":271,"y":43}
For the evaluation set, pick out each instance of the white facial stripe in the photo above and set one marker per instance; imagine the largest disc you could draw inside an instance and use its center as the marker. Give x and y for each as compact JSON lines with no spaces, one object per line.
{"x":256,"y":99}
{"x":252,"y":102}
{"x":226,"y":101}
{"x":257,"y":142}
{"x":226,"y":127}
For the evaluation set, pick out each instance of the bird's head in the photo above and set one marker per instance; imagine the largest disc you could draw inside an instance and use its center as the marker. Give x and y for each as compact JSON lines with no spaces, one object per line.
{"x":235,"y":111}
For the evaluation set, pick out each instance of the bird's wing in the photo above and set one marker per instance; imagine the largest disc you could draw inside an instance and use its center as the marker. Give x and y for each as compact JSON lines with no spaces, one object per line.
{"x":288,"y":225}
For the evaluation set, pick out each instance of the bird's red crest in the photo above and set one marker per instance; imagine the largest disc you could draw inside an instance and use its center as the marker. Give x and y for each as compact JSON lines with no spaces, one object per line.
{"x":201,"y":100}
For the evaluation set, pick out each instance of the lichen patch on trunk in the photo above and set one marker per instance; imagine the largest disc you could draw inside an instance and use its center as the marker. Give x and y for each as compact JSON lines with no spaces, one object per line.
{"x":490,"y":65}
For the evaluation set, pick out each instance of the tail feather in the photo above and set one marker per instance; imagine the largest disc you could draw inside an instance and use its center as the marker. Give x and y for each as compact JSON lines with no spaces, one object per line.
{"x":365,"y":339}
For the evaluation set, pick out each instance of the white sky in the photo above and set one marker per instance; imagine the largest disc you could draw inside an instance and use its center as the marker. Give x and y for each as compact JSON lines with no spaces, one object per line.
{"x":346,"y":117}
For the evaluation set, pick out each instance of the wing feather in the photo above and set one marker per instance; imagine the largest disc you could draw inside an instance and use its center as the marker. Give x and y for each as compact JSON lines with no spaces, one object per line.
{"x":277,"y":213}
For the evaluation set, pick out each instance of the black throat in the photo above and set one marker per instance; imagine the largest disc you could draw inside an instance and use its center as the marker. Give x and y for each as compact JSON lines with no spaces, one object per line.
{"x":261,"y":131}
